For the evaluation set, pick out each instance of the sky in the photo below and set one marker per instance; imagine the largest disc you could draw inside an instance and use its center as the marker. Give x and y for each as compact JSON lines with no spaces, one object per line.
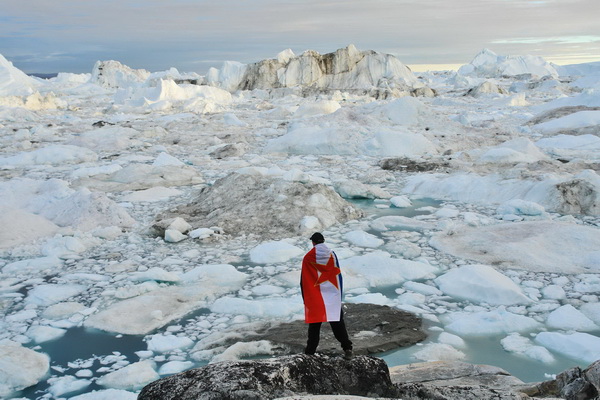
{"x":43,"y":36}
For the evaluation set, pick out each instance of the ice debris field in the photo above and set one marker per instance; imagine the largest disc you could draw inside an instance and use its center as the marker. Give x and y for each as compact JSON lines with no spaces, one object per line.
{"x":143,"y":214}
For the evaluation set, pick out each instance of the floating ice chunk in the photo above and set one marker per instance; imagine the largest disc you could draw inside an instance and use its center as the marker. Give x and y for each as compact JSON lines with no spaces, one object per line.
{"x":32,"y":266}
{"x":174,"y":367}
{"x":244,"y":349}
{"x":174,"y":236}
{"x":363,"y":239}
{"x":399,"y":223}
{"x":165,"y":343}
{"x":60,"y":246}
{"x":577,"y":120}
{"x":132,"y":377}
{"x":447,"y":212}
{"x":413,"y":299}
{"x":519,"y":150}
{"x":25,"y":227}
{"x":202,"y":233}
{"x":568,"y":318}
{"x":352,"y":189}
{"x":21,"y":316}
{"x":108,"y":394}
{"x":490,"y":323}
{"x":520,"y":207}
{"x":401,"y":201}
{"x":45,"y":295}
{"x":380,"y":269}
{"x":157,"y":193}
{"x":577,"y":346}
{"x":270,"y":307}
{"x":20,"y":367}
{"x":516,"y":343}
{"x":581,"y":146}
{"x":422,"y":288}
{"x":404,"y":111}
{"x":91,"y":171}
{"x":452,"y":340}
{"x":370,"y":298}
{"x":592,"y":311}
{"x":543,"y":246}
{"x":66,"y":384}
{"x":216,"y":275}
{"x":590,"y":283}
{"x":267,"y":290}
{"x":274,"y":252}
{"x":62,"y":310}
{"x":439,"y":352}
{"x":554,"y":292}
{"x":166,"y":159}
{"x":179,"y":224}
{"x":310,"y":223}
{"x":42,"y":333}
{"x":53,"y":154}
{"x":484,"y":283}
{"x":146,"y":312}
{"x":107,"y":138}
{"x":398,"y":144}
{"x":155,"y":274}
{"x":322,"y":107}
{"x":232,"y":119}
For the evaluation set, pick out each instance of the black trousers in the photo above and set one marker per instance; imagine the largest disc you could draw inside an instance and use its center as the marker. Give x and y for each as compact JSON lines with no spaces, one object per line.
{"x":339,"y":331}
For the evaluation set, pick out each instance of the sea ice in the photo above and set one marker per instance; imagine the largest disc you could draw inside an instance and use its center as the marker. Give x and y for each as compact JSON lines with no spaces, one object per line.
{"x":20,"y":367}
{"x":67,"y":384}
{"x":108,"y":394}
{"x":542,"y":246}
{"x":46,"y":295}
{"x":484,"y":283}
{"x":577,"y":346}
{"x":42,"y":333}
{"x":485,"y":323}
{"x":568,"y":318}
{"x":363,"y":239}
{"x":174,"y":367}
{"x":132,"y":377}
{"x":439,"y":352}
{"x":380,"y":269}
{"x":516,"y":343}
{"x":274,"y":252}
{"x":166,"y":343}
{"x":274,"y":307}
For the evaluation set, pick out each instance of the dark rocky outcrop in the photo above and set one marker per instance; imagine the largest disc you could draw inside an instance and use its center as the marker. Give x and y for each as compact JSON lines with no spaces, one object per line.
{"x":372,"y":329}
{"x":572,"y":384}
{"x":279,"y":377}
{"x":302,"y":375}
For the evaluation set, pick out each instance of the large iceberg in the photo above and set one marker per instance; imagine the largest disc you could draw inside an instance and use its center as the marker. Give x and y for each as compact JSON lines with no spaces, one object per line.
{"x":347,"y":68}
{"x":490,"y":65}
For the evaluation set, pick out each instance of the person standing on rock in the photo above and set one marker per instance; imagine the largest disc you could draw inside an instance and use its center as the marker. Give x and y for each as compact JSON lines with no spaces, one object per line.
{"x":321,"y":284}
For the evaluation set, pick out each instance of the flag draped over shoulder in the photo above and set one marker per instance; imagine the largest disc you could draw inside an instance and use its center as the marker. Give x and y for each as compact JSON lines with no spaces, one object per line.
{"x":321,"y":284}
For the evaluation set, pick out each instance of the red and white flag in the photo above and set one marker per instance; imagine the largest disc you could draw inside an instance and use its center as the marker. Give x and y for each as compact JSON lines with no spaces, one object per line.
{"x":321,"y":284}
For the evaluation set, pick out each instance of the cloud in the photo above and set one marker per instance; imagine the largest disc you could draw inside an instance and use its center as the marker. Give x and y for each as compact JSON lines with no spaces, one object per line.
{"x":156,"y":35}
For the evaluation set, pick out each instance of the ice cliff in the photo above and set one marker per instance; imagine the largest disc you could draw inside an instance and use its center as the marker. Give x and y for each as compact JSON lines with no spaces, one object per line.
{"x":347,"y":68}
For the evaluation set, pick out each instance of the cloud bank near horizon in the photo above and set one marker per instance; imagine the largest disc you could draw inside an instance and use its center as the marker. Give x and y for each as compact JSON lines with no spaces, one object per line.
{"x":192,"y":35}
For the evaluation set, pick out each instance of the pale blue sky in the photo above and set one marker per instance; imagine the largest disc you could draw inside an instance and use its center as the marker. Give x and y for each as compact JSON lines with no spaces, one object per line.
{"x":192,"y":35}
